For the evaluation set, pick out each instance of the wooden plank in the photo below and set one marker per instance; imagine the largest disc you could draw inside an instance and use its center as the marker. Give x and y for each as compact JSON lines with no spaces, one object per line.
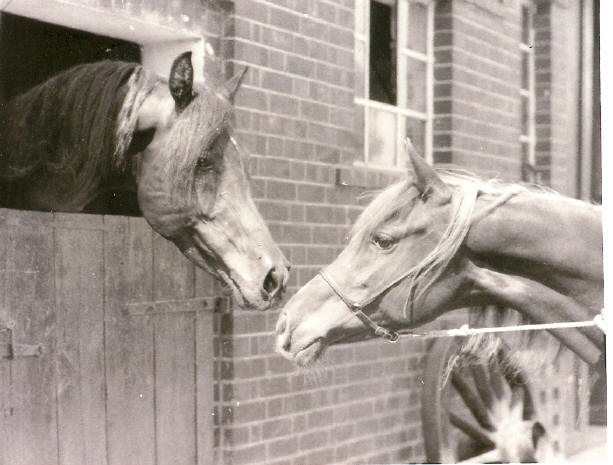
{"x":79,"y":275}
{"x":5,"y":371}
{"x":175,"y":390}
{"x":129,"y":342}
{"x":171,"y":306}
{"x":29,"y":417}
{"x":204,"y":387}
{"x":204,"y":285}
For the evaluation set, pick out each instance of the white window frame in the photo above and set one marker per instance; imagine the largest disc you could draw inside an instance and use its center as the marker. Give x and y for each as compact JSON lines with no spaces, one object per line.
{"x":530,"y":92}
{"x":362,"y":35}
{"x":160,"y":44}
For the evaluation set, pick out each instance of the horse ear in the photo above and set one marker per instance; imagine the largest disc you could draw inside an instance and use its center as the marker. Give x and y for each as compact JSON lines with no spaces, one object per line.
{"x":181,"y":81}
{"x":427,"y":181}
{"x":231,"y":85}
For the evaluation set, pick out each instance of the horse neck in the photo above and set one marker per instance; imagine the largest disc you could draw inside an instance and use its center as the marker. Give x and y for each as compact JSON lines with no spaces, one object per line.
{"x":560,"y":234}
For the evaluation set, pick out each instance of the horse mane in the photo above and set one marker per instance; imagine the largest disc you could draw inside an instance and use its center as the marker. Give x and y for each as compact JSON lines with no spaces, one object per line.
{"x":74,"y":128}
{"x":467,"y":187}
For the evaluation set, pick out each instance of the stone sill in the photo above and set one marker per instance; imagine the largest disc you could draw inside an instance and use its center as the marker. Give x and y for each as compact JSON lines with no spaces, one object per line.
{"x":367,"y":176}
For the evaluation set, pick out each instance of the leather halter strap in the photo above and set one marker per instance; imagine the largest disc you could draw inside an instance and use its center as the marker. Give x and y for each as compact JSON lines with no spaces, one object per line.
{"x":356,"y":309}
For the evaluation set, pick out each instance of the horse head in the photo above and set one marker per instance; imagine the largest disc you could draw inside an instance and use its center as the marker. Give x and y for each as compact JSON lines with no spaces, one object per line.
{"x":396,"y":232}
{"x":435,"y":243}
{"x":193,"y":188}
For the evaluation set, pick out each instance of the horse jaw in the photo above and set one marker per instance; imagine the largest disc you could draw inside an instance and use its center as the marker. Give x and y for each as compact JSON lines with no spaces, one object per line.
{"x":311,"y":320}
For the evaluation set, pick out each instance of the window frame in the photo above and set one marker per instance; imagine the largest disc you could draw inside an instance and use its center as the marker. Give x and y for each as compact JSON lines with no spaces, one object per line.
{"x":528,"y":165}
{"x":362,"y":36}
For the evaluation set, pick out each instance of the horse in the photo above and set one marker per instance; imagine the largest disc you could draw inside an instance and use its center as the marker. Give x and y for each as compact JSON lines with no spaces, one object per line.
{"x":439,"y":241}
{"x":101,"y":125}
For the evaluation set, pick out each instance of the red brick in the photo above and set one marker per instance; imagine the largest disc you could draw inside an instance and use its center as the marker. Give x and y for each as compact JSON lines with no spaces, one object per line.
{"x":250,"y":52}
{"x":314,"y":440}
{"x":273,"y":211}
{"x":311,"y":193}
{"x":297,"y":403}
{"x":296,"y":234}
{"x":326,"y":234}
{"x":278,"y":39}
{"x":254,"y":10}
{"x":274,"y":386}
{"x":277,"y":427}
{"x":283,"y":105}
{"x":246,"y":455}
{"x":277,"y":82}
{"x":252,"y":368}
{"x":320,"y":457}
{"x":300,"y":66}
{"x":284,"y":19}
{"x":280,"y":190}
{"x":320,"y":418}
{"x":274,"y":407}
{"x":314,"y":29}
{"x":282,"y":447}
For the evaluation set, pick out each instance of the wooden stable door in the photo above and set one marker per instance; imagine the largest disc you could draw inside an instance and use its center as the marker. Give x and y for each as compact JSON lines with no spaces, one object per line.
{"x":124,"y":324}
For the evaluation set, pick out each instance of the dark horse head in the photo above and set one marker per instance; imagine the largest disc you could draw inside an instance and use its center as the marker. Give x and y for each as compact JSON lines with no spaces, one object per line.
{"x":89,"y":128}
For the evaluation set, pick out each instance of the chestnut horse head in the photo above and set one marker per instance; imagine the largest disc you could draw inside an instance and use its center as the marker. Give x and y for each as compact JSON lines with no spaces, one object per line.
{"x":437,"y":242}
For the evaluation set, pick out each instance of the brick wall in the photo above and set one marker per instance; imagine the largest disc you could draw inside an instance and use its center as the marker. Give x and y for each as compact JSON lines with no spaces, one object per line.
{"x":557,"y":87}
{"x":477,"y":75}
{"x":296,"y":115}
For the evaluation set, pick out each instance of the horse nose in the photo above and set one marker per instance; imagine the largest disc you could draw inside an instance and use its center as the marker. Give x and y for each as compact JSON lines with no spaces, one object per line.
{"x":283,"y":339}
{"x":274,"y":282}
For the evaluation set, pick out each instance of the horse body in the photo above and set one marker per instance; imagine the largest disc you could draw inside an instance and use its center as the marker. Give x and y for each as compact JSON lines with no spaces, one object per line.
{"x":440,"y":242}
{"x":98,"y":125}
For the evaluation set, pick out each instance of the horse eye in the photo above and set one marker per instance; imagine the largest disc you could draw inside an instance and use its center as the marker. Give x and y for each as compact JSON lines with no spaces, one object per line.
{"x":383,"y":241}
{"x":204,"y":164}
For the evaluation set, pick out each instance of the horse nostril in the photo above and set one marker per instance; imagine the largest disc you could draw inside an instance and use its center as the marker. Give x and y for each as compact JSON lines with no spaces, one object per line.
{"x":272,"y":284}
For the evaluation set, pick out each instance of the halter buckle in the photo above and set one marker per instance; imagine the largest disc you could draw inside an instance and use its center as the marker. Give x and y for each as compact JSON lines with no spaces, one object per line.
{"x":388,"y":335}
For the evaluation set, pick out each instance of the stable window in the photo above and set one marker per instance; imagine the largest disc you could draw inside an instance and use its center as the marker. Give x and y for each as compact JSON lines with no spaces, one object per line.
{"x":527,"y":136}
{"x":393,"y":56}
{"x":37,"y":43}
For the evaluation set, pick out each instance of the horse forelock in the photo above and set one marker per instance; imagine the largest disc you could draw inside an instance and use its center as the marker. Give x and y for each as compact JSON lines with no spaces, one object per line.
{"x":193,"y":131}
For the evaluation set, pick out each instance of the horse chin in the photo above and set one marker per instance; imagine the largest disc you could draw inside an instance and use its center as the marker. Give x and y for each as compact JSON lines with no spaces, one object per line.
{"x":308,"y":355}
{"x":238,"y":294}
{"x":202,"y":259}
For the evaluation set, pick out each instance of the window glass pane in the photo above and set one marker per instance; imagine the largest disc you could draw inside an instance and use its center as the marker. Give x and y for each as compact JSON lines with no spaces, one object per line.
{"x":381,"y":137}
{"x":418,"y":27}
{"x":525,"y":24}
{"x":416,"y":130}
{"x":382,"y":54}
{"x":525,"y":70}
{"x":360,"y":67}
{"x":415,"y":84}
{"x":525,"y":114}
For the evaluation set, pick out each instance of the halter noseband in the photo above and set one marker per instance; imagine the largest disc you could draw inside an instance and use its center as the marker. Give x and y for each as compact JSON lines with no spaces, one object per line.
{"x":356,"y":309}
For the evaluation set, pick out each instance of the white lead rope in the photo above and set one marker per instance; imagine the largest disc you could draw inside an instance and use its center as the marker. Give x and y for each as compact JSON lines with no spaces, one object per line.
{"x":465,"y":330}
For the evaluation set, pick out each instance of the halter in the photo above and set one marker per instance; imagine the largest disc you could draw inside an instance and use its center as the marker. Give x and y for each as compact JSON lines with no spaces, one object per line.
{"x":357,"y":307}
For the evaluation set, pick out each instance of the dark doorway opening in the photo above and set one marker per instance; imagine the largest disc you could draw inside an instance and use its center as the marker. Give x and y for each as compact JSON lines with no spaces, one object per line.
{"x":32,"y":51}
